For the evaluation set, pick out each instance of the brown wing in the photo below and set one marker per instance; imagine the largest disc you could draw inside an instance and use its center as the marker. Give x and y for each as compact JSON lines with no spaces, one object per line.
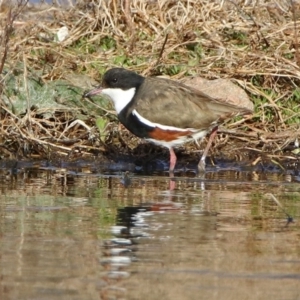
{"x":171,"y":103}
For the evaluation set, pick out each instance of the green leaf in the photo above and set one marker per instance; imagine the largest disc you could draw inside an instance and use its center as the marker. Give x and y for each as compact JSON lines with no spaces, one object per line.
{"x":296,"y":151}
{"x":101,"y":125}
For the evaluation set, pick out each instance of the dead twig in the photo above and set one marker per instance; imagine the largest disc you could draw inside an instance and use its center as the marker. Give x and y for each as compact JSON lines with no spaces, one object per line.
{"x":12,"y":15}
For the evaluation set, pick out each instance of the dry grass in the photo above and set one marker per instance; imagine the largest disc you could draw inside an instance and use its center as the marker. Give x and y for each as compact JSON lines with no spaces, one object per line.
{"x":254,"y":43}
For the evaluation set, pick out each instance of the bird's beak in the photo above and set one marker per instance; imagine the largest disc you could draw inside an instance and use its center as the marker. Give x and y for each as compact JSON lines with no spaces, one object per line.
{"x":93,"y":92}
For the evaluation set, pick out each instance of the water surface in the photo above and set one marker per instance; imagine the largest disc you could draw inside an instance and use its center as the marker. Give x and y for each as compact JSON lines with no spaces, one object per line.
{"x":68,"y":234}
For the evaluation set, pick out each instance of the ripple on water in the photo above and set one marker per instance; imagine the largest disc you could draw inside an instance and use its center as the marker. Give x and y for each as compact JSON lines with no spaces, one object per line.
{"x":83,"y":235}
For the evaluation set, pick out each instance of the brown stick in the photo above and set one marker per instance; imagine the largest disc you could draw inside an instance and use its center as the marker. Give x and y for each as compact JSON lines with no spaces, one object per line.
{"x":8,"y":29}
{"x":162,"y":50}
{"x":296,"y":45}
{"x":127,"y":14}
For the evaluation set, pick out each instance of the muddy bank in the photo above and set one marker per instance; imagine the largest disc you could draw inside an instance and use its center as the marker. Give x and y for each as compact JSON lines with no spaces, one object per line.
{"x":155,"y":162}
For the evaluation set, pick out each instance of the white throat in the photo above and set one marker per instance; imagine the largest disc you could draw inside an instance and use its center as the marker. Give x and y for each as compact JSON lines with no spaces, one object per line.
{"x":120,"y":97}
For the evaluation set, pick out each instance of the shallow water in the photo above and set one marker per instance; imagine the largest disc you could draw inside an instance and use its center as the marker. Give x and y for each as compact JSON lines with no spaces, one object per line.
{"x":67,"y":234}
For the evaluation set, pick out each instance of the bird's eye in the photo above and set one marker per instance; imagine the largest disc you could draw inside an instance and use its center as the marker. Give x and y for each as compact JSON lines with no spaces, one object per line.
{"x":114,"y":80}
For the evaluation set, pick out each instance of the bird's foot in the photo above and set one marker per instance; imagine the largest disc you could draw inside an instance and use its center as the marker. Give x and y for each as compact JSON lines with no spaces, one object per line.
{"x":201,"y":166}
{"x":172,"y":184}
{"x":171,"y":173}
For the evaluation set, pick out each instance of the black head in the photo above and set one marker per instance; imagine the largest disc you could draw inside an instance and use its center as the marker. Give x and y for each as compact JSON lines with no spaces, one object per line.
{"x":122,"y":79}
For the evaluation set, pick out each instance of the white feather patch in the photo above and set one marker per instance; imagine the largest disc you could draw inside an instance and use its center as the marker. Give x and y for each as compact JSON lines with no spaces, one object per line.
{"x":151,"y":124}
{"x":195,"y":135}
{"x":120,"y":97}
{"x":180,"y":140}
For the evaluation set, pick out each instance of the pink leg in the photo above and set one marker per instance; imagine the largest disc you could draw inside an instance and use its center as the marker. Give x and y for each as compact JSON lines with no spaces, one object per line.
{"x":201,"y":164}
{"x":173,"y":160}
{"x":172,"y":184}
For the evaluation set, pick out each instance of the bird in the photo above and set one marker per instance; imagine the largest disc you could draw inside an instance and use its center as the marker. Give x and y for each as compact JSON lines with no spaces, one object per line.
{"x":164,"y":111}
